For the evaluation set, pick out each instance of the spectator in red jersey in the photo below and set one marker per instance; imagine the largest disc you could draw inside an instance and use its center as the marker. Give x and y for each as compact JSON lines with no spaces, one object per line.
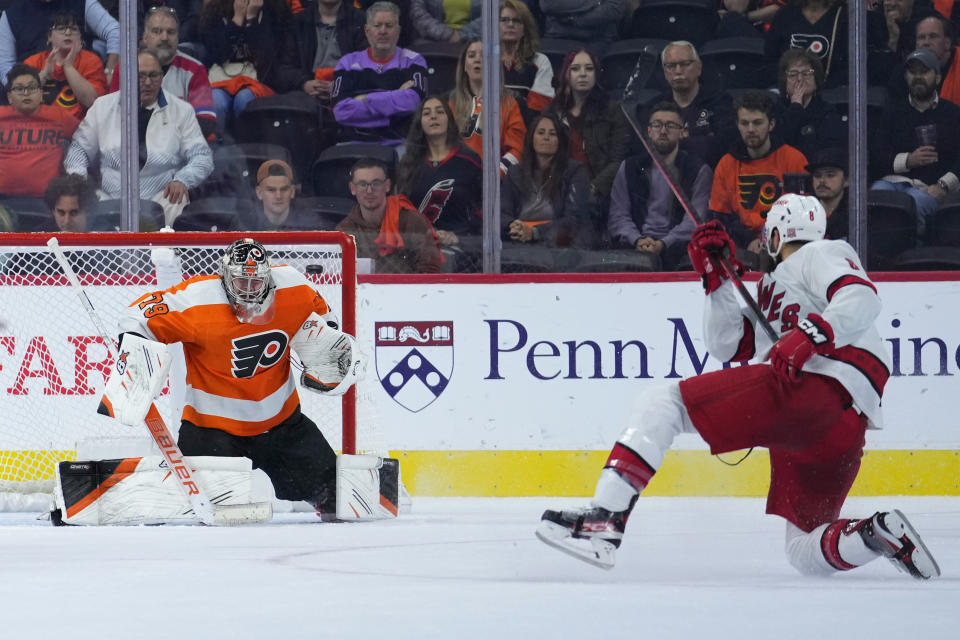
{"x":71,"y":77}
{"x":33,"y":136}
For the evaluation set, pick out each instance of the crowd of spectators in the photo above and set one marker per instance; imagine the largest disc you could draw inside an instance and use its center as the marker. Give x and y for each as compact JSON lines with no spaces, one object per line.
{"x":578,"y":189}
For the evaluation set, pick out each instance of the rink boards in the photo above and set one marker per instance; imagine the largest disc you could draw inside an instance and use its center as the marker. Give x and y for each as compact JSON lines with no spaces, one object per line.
{"x":540,"y":374}
{"x":519,"y":385}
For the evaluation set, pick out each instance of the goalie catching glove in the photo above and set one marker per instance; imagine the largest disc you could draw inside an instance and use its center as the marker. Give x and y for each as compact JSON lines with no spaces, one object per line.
{"x":137,"y":378}
{"x":330,"y":357}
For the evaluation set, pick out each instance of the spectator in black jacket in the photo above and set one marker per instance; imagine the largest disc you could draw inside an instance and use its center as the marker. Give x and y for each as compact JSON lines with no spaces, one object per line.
{"x":805,"y":120}
{"x":599,"y":134}
{"x":829,"y":171}
{"x":821,"y":26}
{"x":248,"y":38}
{"x":707,"y":111}
{"x":918,"y":151}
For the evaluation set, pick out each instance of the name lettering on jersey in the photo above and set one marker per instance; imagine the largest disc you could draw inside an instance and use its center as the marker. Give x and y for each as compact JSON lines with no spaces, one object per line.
{"x":259,"y":351}
{"x":763,"y":188}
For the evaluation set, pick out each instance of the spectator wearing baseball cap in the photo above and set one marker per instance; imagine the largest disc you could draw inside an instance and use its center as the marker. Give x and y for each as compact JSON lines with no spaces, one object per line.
{"x":830,"y":182}
{"x":275,"y":208}
{"x":918,"y":149}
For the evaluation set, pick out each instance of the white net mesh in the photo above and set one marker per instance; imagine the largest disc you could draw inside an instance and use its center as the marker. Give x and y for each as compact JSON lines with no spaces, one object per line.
{"x":53,"y":363}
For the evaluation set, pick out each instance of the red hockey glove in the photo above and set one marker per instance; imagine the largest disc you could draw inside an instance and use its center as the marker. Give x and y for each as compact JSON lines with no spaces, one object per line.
{"x":812,"y":335}
{"x":708,"y":244}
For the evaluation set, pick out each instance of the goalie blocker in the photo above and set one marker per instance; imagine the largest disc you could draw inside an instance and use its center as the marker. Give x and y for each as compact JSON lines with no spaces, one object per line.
{"x":141,"y":490}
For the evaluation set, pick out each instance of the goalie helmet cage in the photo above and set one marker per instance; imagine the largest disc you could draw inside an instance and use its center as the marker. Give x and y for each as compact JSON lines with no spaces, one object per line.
{"x":53,"y":363}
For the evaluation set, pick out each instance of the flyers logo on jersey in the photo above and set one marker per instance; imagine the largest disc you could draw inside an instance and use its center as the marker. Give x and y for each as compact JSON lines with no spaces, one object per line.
{"x":815,"y":43}
{"x":259,"y":351}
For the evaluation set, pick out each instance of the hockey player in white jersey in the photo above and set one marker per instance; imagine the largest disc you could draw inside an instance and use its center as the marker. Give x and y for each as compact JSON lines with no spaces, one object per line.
{"x":809,"y":401}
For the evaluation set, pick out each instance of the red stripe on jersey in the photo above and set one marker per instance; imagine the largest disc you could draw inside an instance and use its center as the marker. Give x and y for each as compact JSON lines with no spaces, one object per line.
{"x":866,"y":363}
{"x":843,"y":281}
{"x":630,"y":465}
{"x":747,"y":346}
{"x":829,"y":546}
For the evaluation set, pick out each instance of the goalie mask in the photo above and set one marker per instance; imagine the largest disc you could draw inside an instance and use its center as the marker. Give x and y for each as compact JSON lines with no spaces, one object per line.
{"x":795,"y":217}
{"x":245,"y":273}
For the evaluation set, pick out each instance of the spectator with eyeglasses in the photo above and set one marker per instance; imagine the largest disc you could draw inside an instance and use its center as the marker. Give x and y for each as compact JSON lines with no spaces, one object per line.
{"x":645,"y":216}
{"x":174,"y":156}
{"x":25,"y":24}
{"x":706,"y":109}
{"x":33,"y":136}
{"x":183,"y":76}
{"x":805,"y":120}
{"x":71,"y":77}
{"x":526,"y":71}
{"x":388,"y":228}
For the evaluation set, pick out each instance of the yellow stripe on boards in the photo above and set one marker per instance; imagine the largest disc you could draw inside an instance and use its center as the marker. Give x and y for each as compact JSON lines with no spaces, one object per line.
{"x":684,"y":473}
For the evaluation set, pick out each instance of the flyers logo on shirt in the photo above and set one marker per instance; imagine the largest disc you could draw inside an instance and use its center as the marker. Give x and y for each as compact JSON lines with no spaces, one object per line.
{"x":813,"y":42}
{"x":259,"y":351}
{"x":764,"y":188}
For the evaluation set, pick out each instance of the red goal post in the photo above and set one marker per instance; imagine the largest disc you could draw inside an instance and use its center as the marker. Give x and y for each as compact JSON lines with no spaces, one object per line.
{"x":53,"y":363}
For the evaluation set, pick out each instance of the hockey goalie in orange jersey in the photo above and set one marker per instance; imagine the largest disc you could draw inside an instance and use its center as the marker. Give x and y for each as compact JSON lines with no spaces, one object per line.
{"x":241,"y":395}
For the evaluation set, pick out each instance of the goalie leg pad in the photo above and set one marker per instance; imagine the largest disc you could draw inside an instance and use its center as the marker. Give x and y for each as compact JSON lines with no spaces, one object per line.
{"x":134,"y":491}
{"x":137,"y":378}
{"x":368,"y":487}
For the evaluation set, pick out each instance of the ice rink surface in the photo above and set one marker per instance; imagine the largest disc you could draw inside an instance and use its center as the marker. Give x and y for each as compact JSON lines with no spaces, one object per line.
{"x":462,"y":568}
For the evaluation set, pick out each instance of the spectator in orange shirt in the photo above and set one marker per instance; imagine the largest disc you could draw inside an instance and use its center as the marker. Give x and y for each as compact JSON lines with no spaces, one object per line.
{"x":71,"y":77}
{"x":33,"y":136}
{"x":749,"y":179}
{"x":467,"y":104}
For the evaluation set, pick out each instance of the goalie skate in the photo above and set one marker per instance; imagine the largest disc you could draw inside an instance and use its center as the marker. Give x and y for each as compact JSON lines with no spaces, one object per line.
{"x":591,"y":534}
{"x":891,"y":534}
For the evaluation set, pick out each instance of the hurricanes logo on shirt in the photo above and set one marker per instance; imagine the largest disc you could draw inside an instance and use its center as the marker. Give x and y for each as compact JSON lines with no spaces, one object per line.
{"x":436,"y":199}
{"x":762,"y":187}
{"x":814,"y":43}
{"x":259,"y":351}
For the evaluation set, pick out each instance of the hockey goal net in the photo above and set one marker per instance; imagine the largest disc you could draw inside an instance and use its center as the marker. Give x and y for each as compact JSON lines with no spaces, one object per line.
{"x":53,"y":363}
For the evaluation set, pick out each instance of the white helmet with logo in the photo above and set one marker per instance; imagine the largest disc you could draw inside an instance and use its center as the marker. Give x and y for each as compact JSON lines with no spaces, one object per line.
{"x":245,"y":273}
{"x":795,"y":217}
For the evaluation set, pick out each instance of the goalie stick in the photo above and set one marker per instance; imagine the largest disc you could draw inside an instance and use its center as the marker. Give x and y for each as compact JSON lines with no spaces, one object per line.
{"x":628,"y":105}
{"x":207,"y":512}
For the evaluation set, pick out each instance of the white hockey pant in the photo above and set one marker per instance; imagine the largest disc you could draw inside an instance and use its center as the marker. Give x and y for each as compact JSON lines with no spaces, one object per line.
{"x":659,"y":416}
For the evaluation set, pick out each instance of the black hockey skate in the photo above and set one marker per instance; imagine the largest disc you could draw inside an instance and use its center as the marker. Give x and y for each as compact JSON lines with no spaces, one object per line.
{"x":891,"y":534}
{"x":591,"y":534}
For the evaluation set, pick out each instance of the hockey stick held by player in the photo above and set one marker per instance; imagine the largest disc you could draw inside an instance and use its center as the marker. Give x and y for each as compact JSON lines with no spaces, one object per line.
{"x":822,"y":307}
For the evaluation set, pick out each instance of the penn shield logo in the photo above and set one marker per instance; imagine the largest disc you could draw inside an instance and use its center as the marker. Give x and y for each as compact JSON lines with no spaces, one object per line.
{"x":259,"y":351}
{"x":414,"y":360}
{"x":762,"y":187}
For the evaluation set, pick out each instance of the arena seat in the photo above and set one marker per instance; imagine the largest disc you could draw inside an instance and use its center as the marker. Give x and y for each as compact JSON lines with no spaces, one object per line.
{"x":738,"y":61}
{"x":621,"y":57}
{"x":441,"y":60}
{"x":691,"y":20}
{"x":891,"y":227}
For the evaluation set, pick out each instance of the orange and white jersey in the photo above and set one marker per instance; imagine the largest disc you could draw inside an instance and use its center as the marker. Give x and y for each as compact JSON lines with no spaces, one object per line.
{"x":239,"y":377}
